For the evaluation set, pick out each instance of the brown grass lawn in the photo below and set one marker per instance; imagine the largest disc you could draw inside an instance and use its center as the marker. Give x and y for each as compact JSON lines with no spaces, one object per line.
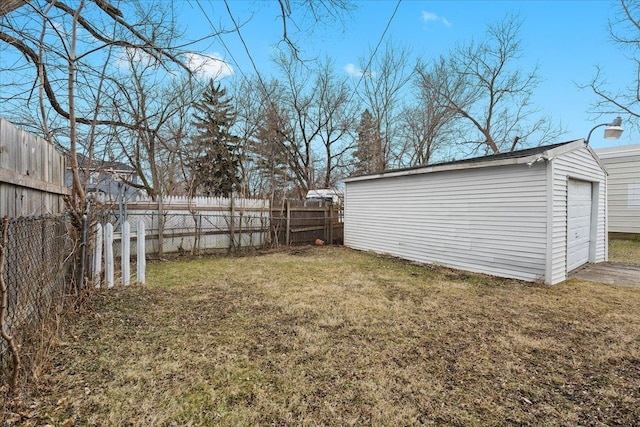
{"x":332,"y":336}
{"x":627,"y":251}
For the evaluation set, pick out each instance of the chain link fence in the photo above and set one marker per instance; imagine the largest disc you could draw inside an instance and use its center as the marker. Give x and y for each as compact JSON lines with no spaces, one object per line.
{"x":38,"y":263}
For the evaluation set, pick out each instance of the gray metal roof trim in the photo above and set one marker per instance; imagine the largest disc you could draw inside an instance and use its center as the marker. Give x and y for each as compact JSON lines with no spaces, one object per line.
{"x":492,"y":157}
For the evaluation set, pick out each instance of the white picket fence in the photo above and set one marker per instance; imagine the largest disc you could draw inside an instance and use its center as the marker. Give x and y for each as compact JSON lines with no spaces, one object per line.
{"x":192,"y":224}
{"x":104,"y":254}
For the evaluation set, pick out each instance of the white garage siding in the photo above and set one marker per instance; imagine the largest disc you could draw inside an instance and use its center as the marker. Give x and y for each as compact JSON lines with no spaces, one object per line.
{"x":579,"y":164}
{"x":623,"y":185}
{"x":504,"y":215}
{"x":489,"y":220}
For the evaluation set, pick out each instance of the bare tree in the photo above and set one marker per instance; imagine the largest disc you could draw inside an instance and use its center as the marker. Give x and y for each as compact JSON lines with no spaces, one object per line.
{"x":72,"y":48}
{"x":430,"y":124}
{"x":320,"y":12}
{"x":624,"y":30}
{"x":334,"y":117}
{"x":314,"y":108}
{"x":159,"y":103}
{"x":253,"y":100}
{"x":270,"y":153}
{"x":381,"y":90}
{"x":482,"y":84}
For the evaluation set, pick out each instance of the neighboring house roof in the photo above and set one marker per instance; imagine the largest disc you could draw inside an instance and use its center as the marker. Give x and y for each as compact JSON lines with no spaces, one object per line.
{"x":545,"y":152}
{"x":619,"y":151}
{"x":101,"y":165}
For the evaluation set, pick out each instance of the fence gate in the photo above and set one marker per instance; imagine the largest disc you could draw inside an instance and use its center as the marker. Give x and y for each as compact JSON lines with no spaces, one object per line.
{"x":300,"y":223}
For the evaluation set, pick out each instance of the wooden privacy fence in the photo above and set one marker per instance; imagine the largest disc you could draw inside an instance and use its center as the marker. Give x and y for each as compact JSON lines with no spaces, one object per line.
{"x":32,"y":174}
{"x":181,"y":224}
{"x":300,"y":223}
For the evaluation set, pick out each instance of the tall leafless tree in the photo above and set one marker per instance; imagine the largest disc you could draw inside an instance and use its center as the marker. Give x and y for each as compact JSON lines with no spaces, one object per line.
{"x":622,"y":98}
{"x":430,"y":123}
{"x":70,"y":47}
{"x":381,"y":89}
{"x":483,"y":85}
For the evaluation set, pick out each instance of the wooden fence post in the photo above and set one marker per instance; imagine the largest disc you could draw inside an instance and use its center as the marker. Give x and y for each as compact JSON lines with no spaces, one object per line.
{"x":125,"y":253}
{"x":97,"y":257}
{"x":326,"y":224}
{"x":288,"y":232}
{"x":142,"y":258}
{"x":331,"y":224}
{"x":108,"y":254}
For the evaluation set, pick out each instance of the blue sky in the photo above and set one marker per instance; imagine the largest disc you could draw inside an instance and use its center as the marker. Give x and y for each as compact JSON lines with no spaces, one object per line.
{"x":566,"y":39}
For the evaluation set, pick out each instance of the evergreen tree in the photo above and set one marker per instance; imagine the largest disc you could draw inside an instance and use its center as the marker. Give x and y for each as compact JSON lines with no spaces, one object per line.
{"x":216,"y":165}
{"x":271,"y":154}
{"x":368,"y":154}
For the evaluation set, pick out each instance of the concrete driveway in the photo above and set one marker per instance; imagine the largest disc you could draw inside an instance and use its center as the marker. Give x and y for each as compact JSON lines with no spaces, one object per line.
{"x":609,"y":272}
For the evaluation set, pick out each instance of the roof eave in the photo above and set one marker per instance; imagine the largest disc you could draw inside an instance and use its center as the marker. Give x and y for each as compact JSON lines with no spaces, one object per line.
{"x":545,"y":155}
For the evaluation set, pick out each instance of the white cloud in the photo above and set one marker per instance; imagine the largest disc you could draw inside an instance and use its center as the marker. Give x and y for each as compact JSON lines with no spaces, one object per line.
{"x":353,"y":71}
{"x":432,"y":17}
{"x":428,"y":16}
{"x":131,"y":56}
{"x":210,"y":66}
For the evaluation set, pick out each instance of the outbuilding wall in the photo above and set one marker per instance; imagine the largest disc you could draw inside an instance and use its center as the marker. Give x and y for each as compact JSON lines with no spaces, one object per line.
{"x":623,"y":165}
{"x":490,"y":220}
{"x":504,"y":218}
{"x":581,"y":165}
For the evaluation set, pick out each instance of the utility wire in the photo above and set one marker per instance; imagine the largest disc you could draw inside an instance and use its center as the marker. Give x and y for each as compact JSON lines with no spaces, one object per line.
{"x":246,"y":48}
{"x":259,"y":76}
{"x":219,"y":35}
{"x":255,"y":67}
{"x":375,"y":51}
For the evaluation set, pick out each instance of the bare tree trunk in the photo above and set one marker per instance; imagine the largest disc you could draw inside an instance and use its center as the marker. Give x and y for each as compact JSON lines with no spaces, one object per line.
{"x":78,"y":193}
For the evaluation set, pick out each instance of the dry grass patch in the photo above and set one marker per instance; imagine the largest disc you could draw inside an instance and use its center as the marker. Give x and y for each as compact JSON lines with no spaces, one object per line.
{"x":331,"y":336}
{"x":627,"y":251}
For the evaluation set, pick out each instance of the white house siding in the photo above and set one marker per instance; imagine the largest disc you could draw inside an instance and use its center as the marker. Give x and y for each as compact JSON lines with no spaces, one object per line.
{"x":578,"y":164}
{"x":623,"y":184}
{"x":489,"y":220}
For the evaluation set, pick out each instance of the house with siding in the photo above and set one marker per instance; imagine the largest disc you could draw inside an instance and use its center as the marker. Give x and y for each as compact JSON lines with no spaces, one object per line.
{"x":111,"y":181}
{"x":533,"y":214}
{"x":623,"y":167}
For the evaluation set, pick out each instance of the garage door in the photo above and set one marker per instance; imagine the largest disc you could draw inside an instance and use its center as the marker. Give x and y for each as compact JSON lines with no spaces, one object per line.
{"x":578,"y":223}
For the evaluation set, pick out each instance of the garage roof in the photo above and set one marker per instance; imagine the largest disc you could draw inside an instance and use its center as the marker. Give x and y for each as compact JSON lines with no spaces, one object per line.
{"x":545,"y":152}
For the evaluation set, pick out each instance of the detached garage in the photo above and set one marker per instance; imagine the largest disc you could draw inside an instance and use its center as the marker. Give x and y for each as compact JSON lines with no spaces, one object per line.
{"x":623,"y":166}
{"x":533,"y":214}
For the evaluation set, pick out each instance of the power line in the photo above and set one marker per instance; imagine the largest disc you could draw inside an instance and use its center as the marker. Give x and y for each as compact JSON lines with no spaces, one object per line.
{"x":218,"y":33}
{"x":246,"y":48}
{"x":375,"y":51}
{"x":253,"y":63}
{"x":255,"y":68}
